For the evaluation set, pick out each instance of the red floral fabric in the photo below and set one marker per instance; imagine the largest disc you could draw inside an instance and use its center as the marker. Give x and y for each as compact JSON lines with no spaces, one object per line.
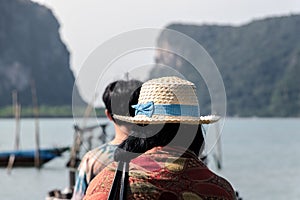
{"x":165,"y":173}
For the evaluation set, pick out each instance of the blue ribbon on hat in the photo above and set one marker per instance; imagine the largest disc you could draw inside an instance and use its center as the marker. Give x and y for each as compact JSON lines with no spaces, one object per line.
{"x":144,"y":109}
{"x":150,"y":109}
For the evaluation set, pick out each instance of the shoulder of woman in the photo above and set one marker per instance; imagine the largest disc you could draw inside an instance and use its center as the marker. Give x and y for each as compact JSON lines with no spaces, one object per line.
{"x":100,"y":185}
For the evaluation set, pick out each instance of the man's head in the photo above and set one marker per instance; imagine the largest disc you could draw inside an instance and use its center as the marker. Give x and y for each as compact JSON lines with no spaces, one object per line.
{"x":119,"y":96}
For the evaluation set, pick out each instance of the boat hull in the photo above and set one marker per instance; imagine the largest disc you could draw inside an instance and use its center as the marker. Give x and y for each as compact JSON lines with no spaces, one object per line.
{"x":26,"y":158}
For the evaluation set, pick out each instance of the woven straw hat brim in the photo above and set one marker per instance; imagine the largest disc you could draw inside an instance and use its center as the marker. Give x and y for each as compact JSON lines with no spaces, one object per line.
{"x":161,"y":119}
{"x":161,"y":100}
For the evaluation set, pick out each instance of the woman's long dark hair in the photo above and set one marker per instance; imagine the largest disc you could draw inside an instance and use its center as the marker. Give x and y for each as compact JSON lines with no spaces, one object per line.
{"x":146,"y":137}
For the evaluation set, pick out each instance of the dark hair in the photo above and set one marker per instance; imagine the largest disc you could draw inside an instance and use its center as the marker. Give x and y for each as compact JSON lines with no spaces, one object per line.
{"x":120,"y":95}
{"x":144,"y":138}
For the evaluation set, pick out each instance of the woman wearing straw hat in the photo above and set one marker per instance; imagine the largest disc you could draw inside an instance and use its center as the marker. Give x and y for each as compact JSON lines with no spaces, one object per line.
{"x":162,"y":150}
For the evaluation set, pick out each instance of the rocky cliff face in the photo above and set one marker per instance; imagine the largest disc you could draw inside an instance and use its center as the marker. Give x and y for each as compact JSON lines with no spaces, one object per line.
{"x":31,"y":49}
{"x":259,"y":63}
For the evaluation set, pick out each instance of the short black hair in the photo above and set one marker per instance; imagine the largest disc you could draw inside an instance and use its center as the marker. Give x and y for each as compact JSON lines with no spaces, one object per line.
{"x":120,"y":95}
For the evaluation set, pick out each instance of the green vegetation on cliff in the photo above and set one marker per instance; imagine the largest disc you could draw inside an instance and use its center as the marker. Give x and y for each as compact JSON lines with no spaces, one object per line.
{"x":259,"y":63}
{"x":48,"y":111}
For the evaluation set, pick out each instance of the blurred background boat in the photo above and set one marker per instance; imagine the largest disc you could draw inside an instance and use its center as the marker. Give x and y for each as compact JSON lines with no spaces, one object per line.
{"x":26,"y":158}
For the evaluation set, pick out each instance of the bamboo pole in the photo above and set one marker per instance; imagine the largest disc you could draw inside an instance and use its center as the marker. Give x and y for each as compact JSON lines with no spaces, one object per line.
{"x":218,"y":152}
{"x":77,"y":142}
{"x":16,"y":111}
{"x":73,"y":156}
{"x":37,"y":161}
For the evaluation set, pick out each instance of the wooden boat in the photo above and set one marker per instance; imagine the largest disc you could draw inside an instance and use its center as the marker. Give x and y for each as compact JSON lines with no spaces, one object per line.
{"x":26,"y":158}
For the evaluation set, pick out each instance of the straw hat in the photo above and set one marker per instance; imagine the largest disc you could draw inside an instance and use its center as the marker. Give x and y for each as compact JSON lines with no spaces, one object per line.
{"x":168,"y":100}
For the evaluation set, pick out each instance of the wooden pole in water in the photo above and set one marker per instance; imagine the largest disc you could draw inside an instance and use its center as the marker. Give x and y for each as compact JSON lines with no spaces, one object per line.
{"x":77,"y":143}
{"x":73,"y":156}
{"x":16,"y":111}
{"x":218,"y":153}
{"x":37,"y":162}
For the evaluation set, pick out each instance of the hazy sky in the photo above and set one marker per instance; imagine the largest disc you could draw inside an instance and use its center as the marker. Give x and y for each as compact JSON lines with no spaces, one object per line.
{"x":86,"y":24}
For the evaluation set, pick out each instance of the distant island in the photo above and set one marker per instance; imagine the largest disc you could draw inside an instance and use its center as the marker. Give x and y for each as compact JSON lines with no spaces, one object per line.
{"x":31,"y":51}
{"x":259,"y":63}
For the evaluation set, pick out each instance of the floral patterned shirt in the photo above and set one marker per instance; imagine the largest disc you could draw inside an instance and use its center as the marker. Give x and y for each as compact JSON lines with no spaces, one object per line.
{"x":92,"y":163}
{"x":165,"y":173}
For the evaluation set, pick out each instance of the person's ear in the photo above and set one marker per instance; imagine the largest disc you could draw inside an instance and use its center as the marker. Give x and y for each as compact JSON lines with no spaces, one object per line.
{"x":108,"y":115}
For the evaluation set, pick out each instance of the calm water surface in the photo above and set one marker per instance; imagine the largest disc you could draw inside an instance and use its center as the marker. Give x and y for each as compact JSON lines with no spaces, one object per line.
{"x":261,"y":158}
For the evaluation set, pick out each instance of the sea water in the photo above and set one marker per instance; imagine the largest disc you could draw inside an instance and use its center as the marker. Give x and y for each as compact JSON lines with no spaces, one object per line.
{"x":261,"y":157}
